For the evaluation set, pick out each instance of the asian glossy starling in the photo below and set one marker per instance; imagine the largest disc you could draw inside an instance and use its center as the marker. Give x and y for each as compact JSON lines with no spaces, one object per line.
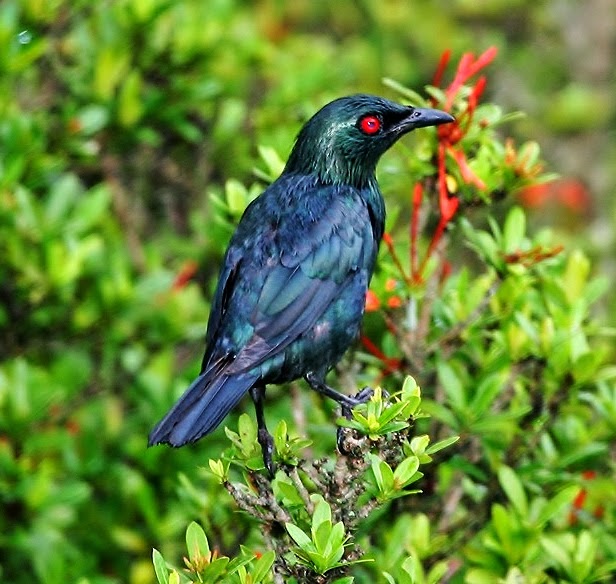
{"x":292,"y":287}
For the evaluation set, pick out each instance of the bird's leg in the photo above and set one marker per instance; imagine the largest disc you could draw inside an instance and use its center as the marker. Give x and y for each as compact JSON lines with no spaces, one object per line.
{"x":265,"y":439}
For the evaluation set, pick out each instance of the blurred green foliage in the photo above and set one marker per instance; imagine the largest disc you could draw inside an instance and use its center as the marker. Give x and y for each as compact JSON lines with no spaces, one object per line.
{"x":128,"y":139}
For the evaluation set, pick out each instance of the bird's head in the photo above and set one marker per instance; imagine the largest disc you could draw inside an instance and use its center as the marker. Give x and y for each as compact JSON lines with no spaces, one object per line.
{"x":344,"y":140}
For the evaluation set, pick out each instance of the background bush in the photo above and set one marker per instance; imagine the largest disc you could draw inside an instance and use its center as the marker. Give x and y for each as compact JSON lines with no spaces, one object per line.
{"x":129,"y":135}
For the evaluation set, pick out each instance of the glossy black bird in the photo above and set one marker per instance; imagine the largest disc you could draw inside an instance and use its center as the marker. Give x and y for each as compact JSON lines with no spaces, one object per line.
{"x":292,"y":287}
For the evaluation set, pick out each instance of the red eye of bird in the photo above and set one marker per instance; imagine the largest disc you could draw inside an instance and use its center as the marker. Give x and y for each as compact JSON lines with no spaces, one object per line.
{"x":369,"y":125}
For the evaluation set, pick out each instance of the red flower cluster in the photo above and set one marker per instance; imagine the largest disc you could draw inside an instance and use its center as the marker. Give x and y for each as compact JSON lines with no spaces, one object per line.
{"x":449,"y":136}
{"x":570,"y":193}
{"x":185,"y":275}
{"x":577,"y":507}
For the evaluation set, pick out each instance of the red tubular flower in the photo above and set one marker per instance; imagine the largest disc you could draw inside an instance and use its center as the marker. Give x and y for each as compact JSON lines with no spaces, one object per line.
{"x":390,"y":365}
{"x":447,"y":204}
{"x":372,"y":302}
{"x":533,"y":256}
{"x":391,"y":284}
{"x":568,"y":192}
{"x":440,"y":69}
{"x":185,"y":275}
{"x":449,"y":136}
{"x":394,"y":302}
{"x":467,"y":68}
{"x":580,"y":500}
{"x":468,"y":175}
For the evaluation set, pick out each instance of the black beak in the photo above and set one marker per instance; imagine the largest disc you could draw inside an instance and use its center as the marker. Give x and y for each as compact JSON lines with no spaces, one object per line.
{"x":423,"y":117}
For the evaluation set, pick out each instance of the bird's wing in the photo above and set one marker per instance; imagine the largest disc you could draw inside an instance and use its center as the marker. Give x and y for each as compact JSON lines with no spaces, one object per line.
{"x":304,"y":271}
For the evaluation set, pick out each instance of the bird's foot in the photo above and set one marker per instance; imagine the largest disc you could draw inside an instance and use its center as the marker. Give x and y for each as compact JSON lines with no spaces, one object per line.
{"x":351,"y":401}
{"x":267,"y":448}
{"x":342,"y":434}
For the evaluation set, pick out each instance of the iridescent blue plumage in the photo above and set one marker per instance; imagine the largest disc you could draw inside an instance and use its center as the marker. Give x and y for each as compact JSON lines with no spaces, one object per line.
{"x":291,"y":291}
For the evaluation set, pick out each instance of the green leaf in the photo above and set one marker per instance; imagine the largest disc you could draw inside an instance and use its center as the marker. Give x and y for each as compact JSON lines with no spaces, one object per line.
{"x":414,"y":98}
{"x":584,"y":556}
{"x":391,"y":412}
{"x":581,"y":453}
{"x":451,"y":385}
{"x":393,"y":427}
{"x":320,"y":537}
{"x":410,"y":388}
{"x":383,"y":475}
{"x":412,"y":569}
{"x":442,"y":444}
{"x":441,"y":413}
{"x":498,"y":424}
{"x":299,"y":536}
{"x":216,"y":569}
{"x":576,"y":275}
{"x":436,"y":93}
{"x":236,"y":196}
{"x":502,"y":525}
{"x":238,"y":562}
{"x":337,"y":538}
{"x":196,"y":542}
{"x":486,"y":392}
{"x":130,"y":100}
{"x":437,"y":573}
{"x":557,"y":551}
{"x":514,"y":490}
{"x":262,"y":567}
{"x":274,"y":163}
{"x":484,"y":244}
{"x":284,"y":488}
{"x":61,"y":197}
{"x":479,"y":576}
{"x":322,"y":511}
{"x":405,"y":471}
{"x":514,"y":230}
{"x":92,"y":119}
{"x":281,"y":433}
{"x":160,"y":567}
{"x":219,"y":469}
{"x":556,"y":504}
{"x":91,"y":209}
{"x":419,"y":444}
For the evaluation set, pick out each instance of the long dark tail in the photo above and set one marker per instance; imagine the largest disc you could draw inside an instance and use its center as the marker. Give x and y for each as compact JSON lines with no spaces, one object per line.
{"x":202,"y":407}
